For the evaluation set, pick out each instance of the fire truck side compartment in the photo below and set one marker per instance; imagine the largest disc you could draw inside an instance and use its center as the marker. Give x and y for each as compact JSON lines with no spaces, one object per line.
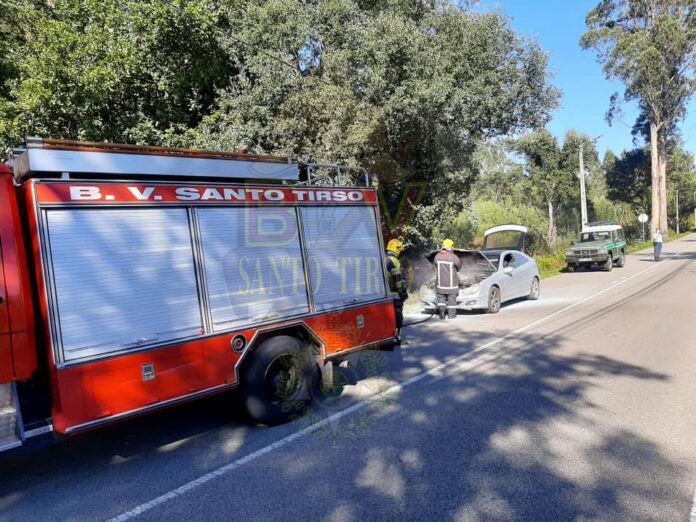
{"x":131,"y":357}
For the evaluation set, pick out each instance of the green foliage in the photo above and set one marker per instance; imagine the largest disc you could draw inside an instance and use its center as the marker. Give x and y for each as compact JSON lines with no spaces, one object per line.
{"x":651,"y":47}
{"x":405,"y":89}
{"x":552,"y":172}
{"x":550,"y":264}
{"x":628,"y":179}
{"x":683,"y":180}
{"x":461,"y":230}
{"x":648,"y":46}
{"x":128,"y":71}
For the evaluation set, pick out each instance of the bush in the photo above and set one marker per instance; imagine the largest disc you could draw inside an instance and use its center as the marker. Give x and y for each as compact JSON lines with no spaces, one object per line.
{"x":461,"y":230}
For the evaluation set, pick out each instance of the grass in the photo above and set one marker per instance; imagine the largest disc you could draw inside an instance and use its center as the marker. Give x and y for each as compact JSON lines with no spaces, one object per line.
{"x":648,"y":244}
{"x":552,"y":265}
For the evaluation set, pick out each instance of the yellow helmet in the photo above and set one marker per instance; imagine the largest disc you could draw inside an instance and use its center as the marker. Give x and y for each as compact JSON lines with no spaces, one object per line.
{"x":396,"y":246}
{"x":448,"y":244}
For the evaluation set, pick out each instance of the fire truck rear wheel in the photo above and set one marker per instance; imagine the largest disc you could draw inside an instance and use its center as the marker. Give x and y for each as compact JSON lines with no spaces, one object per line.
{"x":278,"y":380}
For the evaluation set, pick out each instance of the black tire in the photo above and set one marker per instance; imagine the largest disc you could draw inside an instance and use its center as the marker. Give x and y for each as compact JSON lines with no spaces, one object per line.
{"x":277,"y":382}
{"x":493,"y":300}
{"x":535,"y":290}
{"x":323,"y":392}
{"x":622,"y":259}
{"x":570,"y":268}
{"x":609,"y":264}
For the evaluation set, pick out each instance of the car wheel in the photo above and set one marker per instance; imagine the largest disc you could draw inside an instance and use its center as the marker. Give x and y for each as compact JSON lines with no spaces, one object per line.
{"x":535,"y":290}
{"x":571,"y":268}
{"x":609,"y":264}
{"x":622,"y":259}
{"x":278,"y":380}
{"x":493,"y":300}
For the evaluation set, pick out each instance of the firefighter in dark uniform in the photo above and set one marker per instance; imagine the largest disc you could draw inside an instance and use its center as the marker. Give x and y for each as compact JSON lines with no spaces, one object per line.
{"x":447,"y":264}
{"x":397,"y":280}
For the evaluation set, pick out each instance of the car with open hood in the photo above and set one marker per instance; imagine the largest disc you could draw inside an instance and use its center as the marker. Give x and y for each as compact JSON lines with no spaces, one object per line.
{"x":500,"y":271}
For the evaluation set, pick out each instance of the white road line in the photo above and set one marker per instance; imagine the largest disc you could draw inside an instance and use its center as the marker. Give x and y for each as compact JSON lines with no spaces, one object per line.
{"x":435,"y":371}
{"x":692,"y":518}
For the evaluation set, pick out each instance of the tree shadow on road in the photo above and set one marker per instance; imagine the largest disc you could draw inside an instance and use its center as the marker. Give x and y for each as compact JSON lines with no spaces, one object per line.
{"x":506,"y":433}
{"x":477,"y":439}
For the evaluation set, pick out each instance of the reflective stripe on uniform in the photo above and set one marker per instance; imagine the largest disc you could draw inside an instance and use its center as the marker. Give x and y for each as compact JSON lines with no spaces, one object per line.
{"x":450,"y":266}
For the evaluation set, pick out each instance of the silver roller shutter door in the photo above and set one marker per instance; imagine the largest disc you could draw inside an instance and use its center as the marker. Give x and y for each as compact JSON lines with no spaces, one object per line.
{"x":122,"y":279}
{"x":344,"y":255}
{"x":253,"y":264}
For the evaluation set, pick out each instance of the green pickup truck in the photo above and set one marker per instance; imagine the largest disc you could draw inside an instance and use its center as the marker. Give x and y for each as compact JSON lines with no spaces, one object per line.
{"x":601,"y":244}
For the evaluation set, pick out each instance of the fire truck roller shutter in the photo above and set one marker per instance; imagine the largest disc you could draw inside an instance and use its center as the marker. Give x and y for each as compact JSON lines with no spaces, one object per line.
{"x":343,"y":255}
{"x":253,"y":264}
{"x":122,"y":279}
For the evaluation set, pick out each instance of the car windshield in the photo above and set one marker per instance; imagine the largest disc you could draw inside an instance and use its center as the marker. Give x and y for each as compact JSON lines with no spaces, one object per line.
{"x":595,"y":236}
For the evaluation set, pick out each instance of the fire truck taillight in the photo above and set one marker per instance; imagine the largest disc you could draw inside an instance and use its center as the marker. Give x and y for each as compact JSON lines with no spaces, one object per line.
{"x":239,"y":343}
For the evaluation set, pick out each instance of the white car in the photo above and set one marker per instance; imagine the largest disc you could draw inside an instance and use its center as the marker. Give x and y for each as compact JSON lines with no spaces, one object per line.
{"x":499,"y":272}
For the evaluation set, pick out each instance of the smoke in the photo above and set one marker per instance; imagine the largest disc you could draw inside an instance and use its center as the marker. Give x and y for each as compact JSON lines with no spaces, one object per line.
{"x":420,"y":270}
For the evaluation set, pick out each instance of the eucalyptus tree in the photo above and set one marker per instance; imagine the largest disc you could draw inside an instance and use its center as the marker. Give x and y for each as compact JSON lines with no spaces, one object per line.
{"x":650,"y":46}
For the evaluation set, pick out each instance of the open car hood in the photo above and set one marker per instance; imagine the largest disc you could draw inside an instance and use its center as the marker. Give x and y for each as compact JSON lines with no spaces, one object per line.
{"x":468,"y":257}
{"x":505,"y":237}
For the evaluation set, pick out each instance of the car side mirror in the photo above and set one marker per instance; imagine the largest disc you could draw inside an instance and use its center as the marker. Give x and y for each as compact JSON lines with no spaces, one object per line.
{"x":507,"y":270}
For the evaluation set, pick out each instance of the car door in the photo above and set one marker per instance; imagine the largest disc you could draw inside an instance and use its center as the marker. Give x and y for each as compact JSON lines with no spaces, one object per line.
{"x":523,"y":273}
{"x":506,"y":270}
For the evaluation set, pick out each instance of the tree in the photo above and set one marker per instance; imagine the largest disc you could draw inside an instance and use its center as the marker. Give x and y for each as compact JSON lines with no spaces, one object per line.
{"x":549,"y":173}
{"x":682,"y":181}
{"x":649,"y":45}
{"x":405,"y":89}
{"x":501,"y":179}
{"x":628,"y":178}
{"x":135,"y":71}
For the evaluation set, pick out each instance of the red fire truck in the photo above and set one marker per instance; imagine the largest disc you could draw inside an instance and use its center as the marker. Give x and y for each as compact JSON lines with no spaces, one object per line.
{"x":134,"y":278}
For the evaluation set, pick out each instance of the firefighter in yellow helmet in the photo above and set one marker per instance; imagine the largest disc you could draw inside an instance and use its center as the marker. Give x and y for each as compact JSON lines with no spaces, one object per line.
{"x":447,"y":264}
{"x":397,"y":279}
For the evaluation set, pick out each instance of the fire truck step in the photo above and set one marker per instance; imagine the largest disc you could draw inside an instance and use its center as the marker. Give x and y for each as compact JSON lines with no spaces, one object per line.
{"x":5,"y":395}
{"x":8,"y":428}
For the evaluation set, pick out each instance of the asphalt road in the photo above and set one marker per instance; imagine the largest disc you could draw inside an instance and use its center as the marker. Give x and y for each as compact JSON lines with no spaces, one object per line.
{"x":579,"y":406}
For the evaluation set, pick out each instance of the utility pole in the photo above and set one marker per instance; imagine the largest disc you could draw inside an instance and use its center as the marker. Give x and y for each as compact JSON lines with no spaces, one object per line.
{"x":677,"y":211}
{"x":583,"y":198}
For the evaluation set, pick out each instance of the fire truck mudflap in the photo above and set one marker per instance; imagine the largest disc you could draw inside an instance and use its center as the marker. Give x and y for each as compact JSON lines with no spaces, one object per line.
{"x":157,"y":292}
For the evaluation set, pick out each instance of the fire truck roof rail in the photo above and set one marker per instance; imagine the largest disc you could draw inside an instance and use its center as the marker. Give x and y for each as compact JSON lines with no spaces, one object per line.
{"x":330,"y":174}
{"x":67,"y":158}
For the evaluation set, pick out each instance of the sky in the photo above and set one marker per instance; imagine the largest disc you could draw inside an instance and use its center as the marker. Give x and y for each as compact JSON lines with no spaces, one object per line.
{"x":558,"y":25}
